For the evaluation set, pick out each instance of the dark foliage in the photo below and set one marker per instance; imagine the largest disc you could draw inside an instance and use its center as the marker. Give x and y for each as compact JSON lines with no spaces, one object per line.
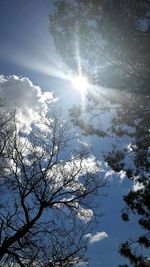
{"x":134,"y":160}
{"x":109,"y":41}
{"x":111,"y":38}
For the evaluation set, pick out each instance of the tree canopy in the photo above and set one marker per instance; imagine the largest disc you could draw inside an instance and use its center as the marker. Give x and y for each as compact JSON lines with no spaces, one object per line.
{"x":46,"y":194}
{"x":108,"y":42}
{"x":132,"y":156}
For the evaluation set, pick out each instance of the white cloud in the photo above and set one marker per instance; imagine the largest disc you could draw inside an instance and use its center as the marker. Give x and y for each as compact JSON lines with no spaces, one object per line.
{"x":83,"y":143}
{"x":82,"y":264}
{"x":84,"y":214}
{"x":21,"y":94}
{"x":111,"y":174}
{"x":122,"y":175}
{"x":97,"y":237}
{"x":72,"y":168}
{"x":137,"y":186}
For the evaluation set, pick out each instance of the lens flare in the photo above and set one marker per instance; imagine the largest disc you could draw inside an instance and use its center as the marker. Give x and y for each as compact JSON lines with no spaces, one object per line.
{"x":80,"y":83}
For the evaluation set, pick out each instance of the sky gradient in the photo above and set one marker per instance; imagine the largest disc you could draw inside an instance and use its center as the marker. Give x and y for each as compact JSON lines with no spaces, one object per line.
{"x":26,"y":50}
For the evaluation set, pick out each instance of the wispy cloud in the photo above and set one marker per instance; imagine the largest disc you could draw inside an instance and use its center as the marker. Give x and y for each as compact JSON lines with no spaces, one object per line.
{"x":82,"y":264}
{"x":97,"y":237}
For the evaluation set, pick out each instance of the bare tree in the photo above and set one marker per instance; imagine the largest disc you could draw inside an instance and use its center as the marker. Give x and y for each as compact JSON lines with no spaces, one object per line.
{"x":46,"y":197}
{"x":6,"y":130}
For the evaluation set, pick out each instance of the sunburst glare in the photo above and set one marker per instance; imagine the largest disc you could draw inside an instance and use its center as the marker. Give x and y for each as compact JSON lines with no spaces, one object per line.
{"x":80,"y":83}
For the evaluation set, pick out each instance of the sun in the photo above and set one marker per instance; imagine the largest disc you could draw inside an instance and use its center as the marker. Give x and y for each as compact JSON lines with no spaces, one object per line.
{"x":80,"y":83}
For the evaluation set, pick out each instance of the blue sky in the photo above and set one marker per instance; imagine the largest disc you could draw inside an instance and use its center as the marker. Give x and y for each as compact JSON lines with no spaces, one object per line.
{"x":26,"y":50}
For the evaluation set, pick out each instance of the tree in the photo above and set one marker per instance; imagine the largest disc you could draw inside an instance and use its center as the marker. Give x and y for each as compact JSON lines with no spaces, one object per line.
{"x":46,"y":196}
{"x":130,"y":154}
{"x":108,"y":41}
{"x":132,"y":124}
{"x":6,"y":129}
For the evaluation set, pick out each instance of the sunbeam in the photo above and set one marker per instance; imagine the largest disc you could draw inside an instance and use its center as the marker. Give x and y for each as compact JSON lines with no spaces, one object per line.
{"x":80,"y":83}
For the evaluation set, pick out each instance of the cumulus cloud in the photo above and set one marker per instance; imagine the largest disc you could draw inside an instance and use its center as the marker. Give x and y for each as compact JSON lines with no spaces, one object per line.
{"x":21,"y":94}
{"x":73,"y":168}
{"x":97,"y":237}
{"x":77,"y":168}
{"x":111,"y":174}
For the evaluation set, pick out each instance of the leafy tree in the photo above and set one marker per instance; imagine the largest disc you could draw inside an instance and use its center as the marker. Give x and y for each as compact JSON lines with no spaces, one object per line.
{"x":133,"y":158}
{"x":46,"y":196}
{"x":130,"y":154}
{"x":108,"y":41}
